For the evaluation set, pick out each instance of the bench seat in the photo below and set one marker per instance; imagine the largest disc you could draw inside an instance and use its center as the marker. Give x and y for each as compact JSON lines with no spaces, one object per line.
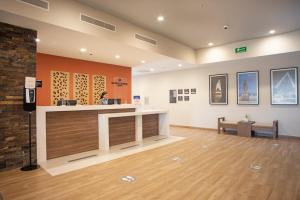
{"x":256,"y":126}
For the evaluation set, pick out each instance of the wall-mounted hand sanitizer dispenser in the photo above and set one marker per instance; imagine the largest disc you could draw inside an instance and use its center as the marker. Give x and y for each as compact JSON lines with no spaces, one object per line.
{"x":29,"y":94}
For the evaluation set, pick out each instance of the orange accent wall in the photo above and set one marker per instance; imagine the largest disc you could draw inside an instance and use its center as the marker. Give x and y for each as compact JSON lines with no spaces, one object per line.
{"x":46,"y":63}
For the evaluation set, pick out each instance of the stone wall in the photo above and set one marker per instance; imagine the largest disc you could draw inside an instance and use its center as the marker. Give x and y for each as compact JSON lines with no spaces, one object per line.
{"x":17,"y":60}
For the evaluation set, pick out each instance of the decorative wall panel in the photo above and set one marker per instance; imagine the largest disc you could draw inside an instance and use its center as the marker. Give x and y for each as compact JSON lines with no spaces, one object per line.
{"x":59,"y":86}
{"x":81,"y":88}
{"x":99,"y":86}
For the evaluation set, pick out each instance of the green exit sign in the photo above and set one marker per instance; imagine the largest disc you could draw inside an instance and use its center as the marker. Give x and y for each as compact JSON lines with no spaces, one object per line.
{"x":241,"y":50}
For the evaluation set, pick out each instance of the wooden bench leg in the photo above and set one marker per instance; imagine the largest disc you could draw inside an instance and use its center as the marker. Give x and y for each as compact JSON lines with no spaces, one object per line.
{"x":219,"y":124}
{"x":275,"y":129}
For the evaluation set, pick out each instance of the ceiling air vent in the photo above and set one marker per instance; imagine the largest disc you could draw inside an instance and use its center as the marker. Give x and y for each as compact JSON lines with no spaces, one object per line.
{"x":43,"y":4}
{"x":145,"y":39}
{"x":97,"y":22}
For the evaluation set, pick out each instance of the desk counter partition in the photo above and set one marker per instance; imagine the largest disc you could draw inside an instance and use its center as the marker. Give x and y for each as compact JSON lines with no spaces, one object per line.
{"x":68,"y":130}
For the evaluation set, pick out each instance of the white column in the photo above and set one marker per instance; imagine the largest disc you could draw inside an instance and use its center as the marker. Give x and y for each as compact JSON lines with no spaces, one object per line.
{"x":103,"y":132}
{"x":41,"y":144}
{"x":138,"y":128}
{"x":164,"y":127}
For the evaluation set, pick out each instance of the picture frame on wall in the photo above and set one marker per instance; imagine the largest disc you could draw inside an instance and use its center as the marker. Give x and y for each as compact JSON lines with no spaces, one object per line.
{"x":186,"y":91}
{"x":180,"y":91}
{"x":218,"y":89}
{"x":284,"y":86}
{"x":193,"y":91}
{"x":180,"y":98}
{"x":172,"y":96}
{"x":186,"y":98}
{"x":247,"y":88}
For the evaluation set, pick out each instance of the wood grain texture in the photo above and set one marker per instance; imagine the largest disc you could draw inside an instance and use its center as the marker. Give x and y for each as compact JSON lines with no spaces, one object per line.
{"x":74,"y":132}
{"x":218,"y":172}
{"x":244,"y":129}
{"x":116,"y":110}
{"x":150,"y":125}
{"x":121,"y":130}
{"x":71,"y":132}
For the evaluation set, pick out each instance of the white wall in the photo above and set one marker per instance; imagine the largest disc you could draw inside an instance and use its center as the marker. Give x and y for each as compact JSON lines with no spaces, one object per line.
{"x":275,"y":44}
{"x":199,"y":113}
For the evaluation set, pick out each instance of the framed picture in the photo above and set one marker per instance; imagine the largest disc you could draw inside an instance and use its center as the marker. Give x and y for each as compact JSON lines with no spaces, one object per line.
{"x":193,"y":91}
{"x":180,"y":91}
{"x":137,"y":99}
{"x":180,"y":98}
{"x":186,"y":98}
{"x":284,"y":86}
{"x":247,"y":88}
{"x":172,"y":96}
{"x":186,"y":91}
{"x":218,"y":89}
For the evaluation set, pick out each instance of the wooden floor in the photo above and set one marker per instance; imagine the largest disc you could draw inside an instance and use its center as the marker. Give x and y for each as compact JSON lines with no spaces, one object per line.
{"x":212,"y":167}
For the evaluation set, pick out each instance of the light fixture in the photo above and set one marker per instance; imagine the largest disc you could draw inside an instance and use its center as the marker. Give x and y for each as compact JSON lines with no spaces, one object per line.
{"x":210,"y":44}
{"x":82,"y":50}
{"x":151,"y":70}
{"x":143,"y":61}
{"x":37,"y":40}
{"x":272,"y":31}
{"x":160,"y":18}
{"x":179,"y":65}
{"x":117,"y":56}
{"x":225,"y":27}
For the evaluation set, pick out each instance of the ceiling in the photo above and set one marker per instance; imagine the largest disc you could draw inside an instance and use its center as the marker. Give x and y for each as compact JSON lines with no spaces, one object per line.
{"x":68,"y":43}
{"x":198,"y":22}
{"x":166,"y":65}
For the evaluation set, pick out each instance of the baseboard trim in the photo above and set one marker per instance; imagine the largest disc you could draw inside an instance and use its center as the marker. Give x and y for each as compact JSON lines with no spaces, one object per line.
{"x":213,"y":129}
{"x":193,"y":127}
{"x":288,"y":137}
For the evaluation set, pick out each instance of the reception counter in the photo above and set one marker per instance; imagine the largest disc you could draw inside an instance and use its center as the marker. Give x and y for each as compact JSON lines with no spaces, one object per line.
{"x":133,"y":125}
{"x":68,"y":130}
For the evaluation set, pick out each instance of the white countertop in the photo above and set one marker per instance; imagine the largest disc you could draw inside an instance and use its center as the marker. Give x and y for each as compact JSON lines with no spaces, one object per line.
{"x":141,"y":112}
{"x":84,"y":107}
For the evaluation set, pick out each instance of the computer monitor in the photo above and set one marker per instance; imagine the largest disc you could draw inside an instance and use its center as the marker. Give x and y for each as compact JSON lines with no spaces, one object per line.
{"x":61,"y":102}
{"x":71,"y":102}
{"x":113,"y":101}
{"x":67,"y":102}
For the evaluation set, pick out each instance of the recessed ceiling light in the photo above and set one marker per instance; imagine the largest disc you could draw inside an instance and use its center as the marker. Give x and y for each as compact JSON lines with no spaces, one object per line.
{"x":160,"y":18}
{"x":210,"y":44}
{"x":83,"y":50}
{"x":151,"y":70}
{"x":143,"y":61}
{"x":37,"y":40}
{"x":272,"y":31}
{"x":117,"y":56}
{"x":179,"y":65}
